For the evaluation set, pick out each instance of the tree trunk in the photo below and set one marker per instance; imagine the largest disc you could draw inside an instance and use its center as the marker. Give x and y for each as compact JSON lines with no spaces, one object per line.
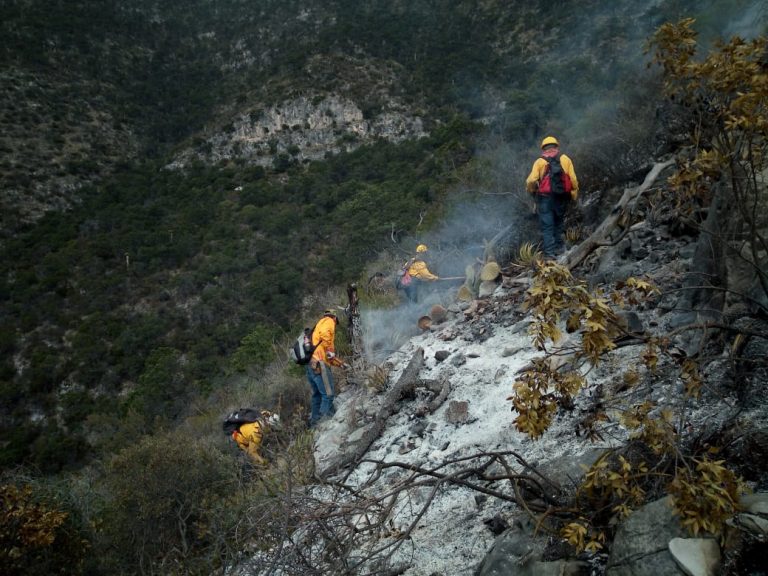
{"x":601,"y":235}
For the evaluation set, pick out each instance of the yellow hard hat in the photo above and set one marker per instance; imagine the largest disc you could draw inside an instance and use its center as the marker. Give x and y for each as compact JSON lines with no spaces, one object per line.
{"x":549,"y":140}
{"x":421,"y":248}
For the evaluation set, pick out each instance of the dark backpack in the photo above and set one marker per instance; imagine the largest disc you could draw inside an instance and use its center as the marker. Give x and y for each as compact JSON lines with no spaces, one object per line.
{"x":556,"y":180}
{"x":240,"y":417}
{"x":301,"y":351}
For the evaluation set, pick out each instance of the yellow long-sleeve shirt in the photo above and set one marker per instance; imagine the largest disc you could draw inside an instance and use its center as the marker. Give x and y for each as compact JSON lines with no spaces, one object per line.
{"x":539,"y":169}
{"x":419,"y":270}
{"x":323,"y":338}
{"x":249,"y":437}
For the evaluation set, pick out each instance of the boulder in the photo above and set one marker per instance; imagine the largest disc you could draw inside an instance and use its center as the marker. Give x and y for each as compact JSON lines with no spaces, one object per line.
{"x":641,"y":545}
{"x":696,"y":556}
{"x":518,"y":552}
{"x":756,"y":503}
{"x":441,"y":355}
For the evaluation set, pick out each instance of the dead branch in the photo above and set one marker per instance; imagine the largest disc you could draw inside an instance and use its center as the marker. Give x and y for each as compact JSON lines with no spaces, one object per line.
{"x":601,"y":235}
{"x":440,"y":398}
{"x":408,"y":380}
{"x":332,"y":529}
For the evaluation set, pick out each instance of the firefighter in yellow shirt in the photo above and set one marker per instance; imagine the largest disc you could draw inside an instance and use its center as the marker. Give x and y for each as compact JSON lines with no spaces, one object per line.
{"x":553,"y":183}
{"x":319,"y":373}
{"x":250,"y":435}
{"x":418,"y":271}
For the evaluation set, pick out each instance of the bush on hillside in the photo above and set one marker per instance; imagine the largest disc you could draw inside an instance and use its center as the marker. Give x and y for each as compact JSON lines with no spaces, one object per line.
{"x":37,"y":533}
{"x":160,"y":504}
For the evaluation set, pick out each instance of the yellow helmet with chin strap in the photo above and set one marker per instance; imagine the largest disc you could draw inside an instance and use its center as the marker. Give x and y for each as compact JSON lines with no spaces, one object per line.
{"x":421,"y":248}
{"x":549,"y":140}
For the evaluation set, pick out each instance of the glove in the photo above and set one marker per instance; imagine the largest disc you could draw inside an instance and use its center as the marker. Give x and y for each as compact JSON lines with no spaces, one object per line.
{"x":330,"y":355}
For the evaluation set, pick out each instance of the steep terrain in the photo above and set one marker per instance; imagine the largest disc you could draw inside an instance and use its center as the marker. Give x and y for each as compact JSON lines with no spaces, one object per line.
{"x":184,"y":185}
{"x":449,"y":470}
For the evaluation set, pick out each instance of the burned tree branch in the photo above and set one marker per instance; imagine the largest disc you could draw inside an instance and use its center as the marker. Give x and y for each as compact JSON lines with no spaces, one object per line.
{"x":600,"y":236}
{"x":408,"y":379}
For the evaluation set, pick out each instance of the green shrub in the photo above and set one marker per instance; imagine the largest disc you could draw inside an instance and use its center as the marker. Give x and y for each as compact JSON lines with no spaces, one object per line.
{"x":164,"y":501}
{"x":256,"y":350}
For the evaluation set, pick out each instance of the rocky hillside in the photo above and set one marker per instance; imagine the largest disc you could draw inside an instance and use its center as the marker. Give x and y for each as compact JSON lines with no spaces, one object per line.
{"x":90,"y":86}
{"x":430,"y":470}
{"x":185,"y":185}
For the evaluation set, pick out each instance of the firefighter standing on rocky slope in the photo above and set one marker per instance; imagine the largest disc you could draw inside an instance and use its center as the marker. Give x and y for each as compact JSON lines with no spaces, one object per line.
{"x":319,"y":373}
{"x":552,"y":200}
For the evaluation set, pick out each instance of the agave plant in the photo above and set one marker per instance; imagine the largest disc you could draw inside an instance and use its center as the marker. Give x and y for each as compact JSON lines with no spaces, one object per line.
{"x":528,"y":254}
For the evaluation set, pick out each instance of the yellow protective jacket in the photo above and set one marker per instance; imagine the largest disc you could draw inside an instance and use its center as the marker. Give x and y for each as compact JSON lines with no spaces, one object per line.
{"x":419,"y":270}
{"x":323,"y":337}
{"x":539,"y":169}
{"x":249,"y":437}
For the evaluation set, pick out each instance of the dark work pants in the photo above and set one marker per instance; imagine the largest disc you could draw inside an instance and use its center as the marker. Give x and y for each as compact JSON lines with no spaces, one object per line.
{"x":551,"y":211}
{"x":412,"y":290}
{"x":322,"y":387}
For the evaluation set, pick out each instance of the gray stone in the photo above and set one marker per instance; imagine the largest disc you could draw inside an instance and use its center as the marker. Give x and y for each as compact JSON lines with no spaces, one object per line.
{"x":510,"y":551}
{"x":441,"y":355}
{"x":459,"y":360}
{"x":458,"y":412}
{"x":679,"y":319}
{"x":418,"y":428}
{"x":356,"y":434}
{"x":497,"y":524}
{"x":570,"y":468}
{"x":756,"y":525}
{"x":521,"y":326}
{"x":756,"y":503}
{"x":517,"y":553}
{"x":686,"y":251}
{"x":630,"y":322}
{"x":624,"y":248}
{"x":696,"y":556}
{"x":486,"y":288}
{"x":640,"y":547}
{"x":639,"y":249}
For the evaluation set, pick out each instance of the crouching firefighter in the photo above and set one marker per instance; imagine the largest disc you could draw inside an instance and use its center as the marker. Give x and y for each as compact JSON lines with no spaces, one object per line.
{"x":247,"y":427}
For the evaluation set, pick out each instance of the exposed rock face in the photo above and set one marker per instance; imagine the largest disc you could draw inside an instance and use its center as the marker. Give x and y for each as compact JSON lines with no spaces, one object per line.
{"x":518,"y":551}
{"x":646,"y":534}
{"x":304,"y":128}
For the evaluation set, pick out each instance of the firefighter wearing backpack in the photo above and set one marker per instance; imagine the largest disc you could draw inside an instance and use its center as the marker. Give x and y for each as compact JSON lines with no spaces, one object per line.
{"x":250,"y":435}
{"x":319,"y":373}
{"x":419,"y":273}
{"x":553,"y":182}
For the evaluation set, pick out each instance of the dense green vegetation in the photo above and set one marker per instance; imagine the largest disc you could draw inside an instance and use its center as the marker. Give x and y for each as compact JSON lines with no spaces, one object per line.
{"x":159,"y":276}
